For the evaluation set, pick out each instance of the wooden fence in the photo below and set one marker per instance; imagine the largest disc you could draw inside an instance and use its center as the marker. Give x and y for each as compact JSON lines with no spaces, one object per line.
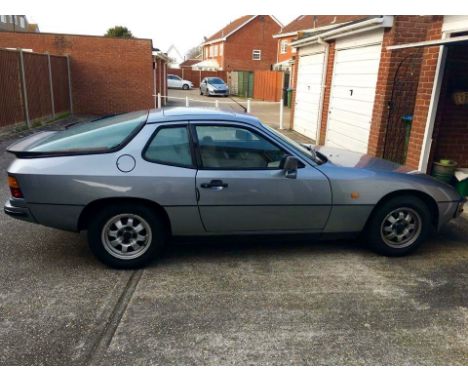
{"x":268,"y":85}
{"x":32,"y":86}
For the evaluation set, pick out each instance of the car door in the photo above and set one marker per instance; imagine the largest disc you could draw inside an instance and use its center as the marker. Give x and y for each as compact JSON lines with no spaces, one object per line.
{"x":171,"y":83}
{"x":203,"y":85}
{"x":241,"y":187}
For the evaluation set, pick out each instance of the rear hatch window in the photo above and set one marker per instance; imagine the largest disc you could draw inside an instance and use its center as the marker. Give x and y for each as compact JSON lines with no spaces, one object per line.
{"x":100,"y":135}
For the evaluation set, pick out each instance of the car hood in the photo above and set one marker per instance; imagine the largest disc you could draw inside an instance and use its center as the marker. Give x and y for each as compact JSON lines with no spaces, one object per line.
{"x":218,"y":86}
{"x":345,"y":158}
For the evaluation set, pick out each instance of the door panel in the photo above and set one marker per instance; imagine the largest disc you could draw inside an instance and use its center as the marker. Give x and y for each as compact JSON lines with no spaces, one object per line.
{"x":308,"y":93}
{"x":264,"y":200}
{"x":352,"y":97}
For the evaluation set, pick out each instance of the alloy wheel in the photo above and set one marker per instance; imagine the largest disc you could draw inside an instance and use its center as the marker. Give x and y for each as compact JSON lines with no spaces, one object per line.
{"x":401,"y":227}
{"x":126,"y":236}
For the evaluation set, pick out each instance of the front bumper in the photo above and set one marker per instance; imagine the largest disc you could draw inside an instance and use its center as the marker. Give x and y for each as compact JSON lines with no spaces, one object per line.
{"x":218,"y":92}
{"x":460,"y":206}
{"x":18,"y":210}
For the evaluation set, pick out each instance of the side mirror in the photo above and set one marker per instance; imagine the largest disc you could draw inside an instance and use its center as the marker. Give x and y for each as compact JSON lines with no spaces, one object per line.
{"x":290,"y":165}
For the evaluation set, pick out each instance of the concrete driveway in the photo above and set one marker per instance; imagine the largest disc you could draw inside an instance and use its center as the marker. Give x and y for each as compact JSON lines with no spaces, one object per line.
{"x":268,"y":112}
{"x":256,"y":302}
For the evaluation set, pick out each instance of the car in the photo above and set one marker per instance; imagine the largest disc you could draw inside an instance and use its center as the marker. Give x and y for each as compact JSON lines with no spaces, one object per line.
{"x":134,"y":180}
{"x":211,"y":86}
{"x":175,"y":82}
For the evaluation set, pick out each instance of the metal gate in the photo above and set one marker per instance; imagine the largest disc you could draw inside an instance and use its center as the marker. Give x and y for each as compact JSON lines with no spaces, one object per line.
{"x":401,"y":108}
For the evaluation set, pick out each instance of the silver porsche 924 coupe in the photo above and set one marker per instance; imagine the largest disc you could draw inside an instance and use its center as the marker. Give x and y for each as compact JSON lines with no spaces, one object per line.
{"x":132,"y":180}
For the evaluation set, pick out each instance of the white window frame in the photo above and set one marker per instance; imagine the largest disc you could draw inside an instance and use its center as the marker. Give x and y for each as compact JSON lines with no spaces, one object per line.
{"x":257,"y":54}
{"x":22,"y":22}
{"x":3,"y":18}
{"x":221,"y":49}
{"x":215,"y":50}
{"x":284,"y":46}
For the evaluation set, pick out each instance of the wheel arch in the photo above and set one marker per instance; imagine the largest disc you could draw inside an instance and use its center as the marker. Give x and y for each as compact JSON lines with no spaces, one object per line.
{"x":426,"y":198}
{"x":98,"y":204}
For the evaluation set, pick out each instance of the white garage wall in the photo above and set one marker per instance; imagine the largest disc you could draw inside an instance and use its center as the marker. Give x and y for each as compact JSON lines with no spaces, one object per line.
{"x":353,"y":91}
{"x":308,"y":94}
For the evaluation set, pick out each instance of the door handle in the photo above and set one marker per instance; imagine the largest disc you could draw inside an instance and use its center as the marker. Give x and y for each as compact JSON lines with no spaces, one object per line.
{"x":215,"y":184}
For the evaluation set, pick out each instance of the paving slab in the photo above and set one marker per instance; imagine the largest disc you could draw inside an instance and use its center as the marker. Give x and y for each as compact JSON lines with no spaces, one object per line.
{"x":231,"y":302}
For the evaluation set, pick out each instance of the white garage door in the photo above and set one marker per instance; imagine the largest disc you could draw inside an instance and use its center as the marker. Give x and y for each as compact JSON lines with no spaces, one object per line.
{"x":308,"y":90}
{"x":352,"y":97}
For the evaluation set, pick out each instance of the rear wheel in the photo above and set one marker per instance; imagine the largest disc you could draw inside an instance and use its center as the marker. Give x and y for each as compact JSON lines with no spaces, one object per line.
{"x":399,"y":226}
{"x":126,"y":235}
{"x":185,"y":87}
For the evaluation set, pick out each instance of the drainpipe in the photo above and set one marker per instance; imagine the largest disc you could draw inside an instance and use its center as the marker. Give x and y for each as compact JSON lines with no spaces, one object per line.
{"x":322,"y":93}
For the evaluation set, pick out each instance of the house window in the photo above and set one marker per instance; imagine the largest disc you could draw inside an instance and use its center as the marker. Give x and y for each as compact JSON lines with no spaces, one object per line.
{"x":221,"y":49}
{"x":215,"y":50}
{"x":3,"y":19}
{"x":211,"y":50}
{"x":21,"y":21}
{"x":256,"y":54}
{"x":284,"y":46}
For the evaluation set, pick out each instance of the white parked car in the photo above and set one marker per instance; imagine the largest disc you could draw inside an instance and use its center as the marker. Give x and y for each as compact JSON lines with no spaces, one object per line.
{"x":176,"y":82}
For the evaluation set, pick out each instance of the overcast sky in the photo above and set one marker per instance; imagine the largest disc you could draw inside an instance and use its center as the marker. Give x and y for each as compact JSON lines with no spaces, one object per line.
{"x":185,"y":22}
{"x":164,"y":26}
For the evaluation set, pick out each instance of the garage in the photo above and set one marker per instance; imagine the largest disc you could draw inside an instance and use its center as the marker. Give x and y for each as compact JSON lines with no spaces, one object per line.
{"x":308,"y":94}
{"x":352,"y":93}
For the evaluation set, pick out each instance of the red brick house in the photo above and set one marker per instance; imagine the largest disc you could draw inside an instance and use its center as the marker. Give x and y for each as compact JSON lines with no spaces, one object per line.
{"x":246,"y":43}
{"x":303,"y":24}
{"x":388,"y":86}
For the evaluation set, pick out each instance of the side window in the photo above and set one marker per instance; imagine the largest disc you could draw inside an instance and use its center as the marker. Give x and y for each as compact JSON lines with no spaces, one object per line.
{"x":232,"y":147}
{"x":170,"y":146}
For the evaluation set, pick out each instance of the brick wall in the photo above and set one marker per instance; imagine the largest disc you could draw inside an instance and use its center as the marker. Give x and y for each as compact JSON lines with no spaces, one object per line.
{"x":109,"y":75}
{"x":426,"y":83}
{"x":406,"y":29}
{"x":258,"y":34}
{"x":327,"y":91}
{"x":284,"y":56}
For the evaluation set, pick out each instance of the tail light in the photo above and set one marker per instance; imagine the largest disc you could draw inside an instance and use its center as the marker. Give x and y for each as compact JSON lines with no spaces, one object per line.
{"x":14,"y":187}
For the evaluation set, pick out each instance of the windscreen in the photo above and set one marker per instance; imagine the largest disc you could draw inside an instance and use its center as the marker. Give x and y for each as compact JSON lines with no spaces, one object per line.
{"x":215,"y":80}
{"x":99,"y":135}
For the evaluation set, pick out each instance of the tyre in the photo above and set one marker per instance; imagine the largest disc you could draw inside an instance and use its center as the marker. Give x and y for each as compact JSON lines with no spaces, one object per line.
{"x":126,"y":236}
{"x":399,"y":226}
{"x":201,"y":92}
{"x":185,"y":87}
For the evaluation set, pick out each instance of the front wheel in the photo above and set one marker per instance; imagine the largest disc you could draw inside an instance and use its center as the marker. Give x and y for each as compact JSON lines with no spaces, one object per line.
{"x":185,"y":87}
{"x":126,"y":235}
{"x":399,"y":226}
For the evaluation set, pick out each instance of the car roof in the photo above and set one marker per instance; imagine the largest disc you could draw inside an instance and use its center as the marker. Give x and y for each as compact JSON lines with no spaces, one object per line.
{"x":198,"y":113}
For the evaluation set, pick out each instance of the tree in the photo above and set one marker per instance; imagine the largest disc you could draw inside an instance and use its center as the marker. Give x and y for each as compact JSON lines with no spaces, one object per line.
{"x":193,"y":52}
{"x":119,"y":31}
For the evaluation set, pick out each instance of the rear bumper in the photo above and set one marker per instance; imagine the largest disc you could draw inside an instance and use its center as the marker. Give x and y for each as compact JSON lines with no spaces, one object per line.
{"x":18,"y":211}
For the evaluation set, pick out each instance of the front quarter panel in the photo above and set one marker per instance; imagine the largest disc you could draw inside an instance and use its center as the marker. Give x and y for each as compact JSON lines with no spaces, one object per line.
{"x":357,"y":190}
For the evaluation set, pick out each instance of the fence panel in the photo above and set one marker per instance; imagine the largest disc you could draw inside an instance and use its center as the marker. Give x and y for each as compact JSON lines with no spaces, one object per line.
{"x":60,"y":83}
{"x":11,"y":103}
{"x":37,"y":83}
{"x":36,"y":69}
{"x":268,"y":85}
